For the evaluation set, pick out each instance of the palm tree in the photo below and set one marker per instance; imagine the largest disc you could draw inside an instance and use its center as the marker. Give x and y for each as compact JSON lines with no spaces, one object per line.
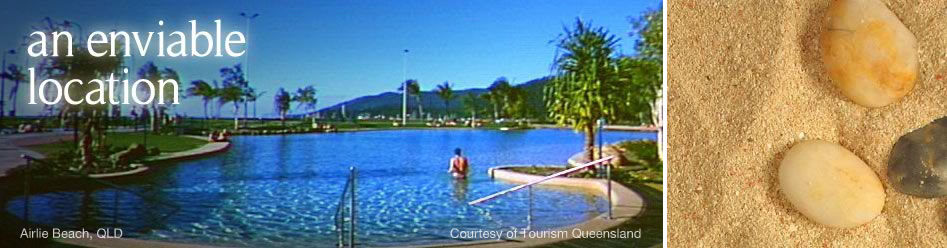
{"x":281,"y":101}
{"x":150,"y":72}
{"x":215,"y":112}
{"x":447,"y":94}
{"x":170,"y":91}
{"x":205,"y":91}
{"x":232,"y":93}
{"x":252,"y":96}
{"x":414,"y":89}
{"x":306,"y":97}
{"x":16,"y":74}
{"x":235,"y":76}
{"x":579,"y":94}
{"x":247,"y":95}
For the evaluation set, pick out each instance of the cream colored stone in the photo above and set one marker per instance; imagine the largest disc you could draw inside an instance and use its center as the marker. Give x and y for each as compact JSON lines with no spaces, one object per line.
{"x":830,"y":185}
{"x":868,"y":53}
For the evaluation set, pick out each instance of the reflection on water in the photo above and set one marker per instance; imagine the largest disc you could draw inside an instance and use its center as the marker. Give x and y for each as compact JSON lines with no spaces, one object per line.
{"x":460,"y":190}
{"x":283,"y":190}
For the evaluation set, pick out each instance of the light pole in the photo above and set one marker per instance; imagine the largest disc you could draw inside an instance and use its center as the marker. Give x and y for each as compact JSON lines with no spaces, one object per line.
{"x":247,"y":62}
{"x":26,"y":64}
{"x":134,"y":121}
{"x":404,"y":88}
{"x":3,"y":82}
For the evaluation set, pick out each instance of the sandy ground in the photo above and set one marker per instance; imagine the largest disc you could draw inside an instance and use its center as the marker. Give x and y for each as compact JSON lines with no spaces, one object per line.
{"x":746,"y":81}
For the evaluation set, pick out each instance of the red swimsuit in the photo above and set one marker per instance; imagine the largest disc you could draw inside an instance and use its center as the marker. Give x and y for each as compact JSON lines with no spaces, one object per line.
{"x":459,"y":167}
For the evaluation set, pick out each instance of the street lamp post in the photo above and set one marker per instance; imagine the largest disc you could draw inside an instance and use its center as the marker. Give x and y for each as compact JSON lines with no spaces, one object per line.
{"x":26,"y":64}
{"x":3,"y":82}
{"x":247,"y":50}
{"x":404,"y":89}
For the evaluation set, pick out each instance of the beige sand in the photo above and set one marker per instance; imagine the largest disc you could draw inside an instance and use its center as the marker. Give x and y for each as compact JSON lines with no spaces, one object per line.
{"x":746,"y":81}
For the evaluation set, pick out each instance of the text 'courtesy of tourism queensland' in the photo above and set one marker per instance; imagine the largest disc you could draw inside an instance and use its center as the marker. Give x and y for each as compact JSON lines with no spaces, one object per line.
{"x":59,"y":43}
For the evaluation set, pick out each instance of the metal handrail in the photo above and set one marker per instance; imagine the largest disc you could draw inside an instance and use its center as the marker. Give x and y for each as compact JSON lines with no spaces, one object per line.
{"x":339,"y":215}
{"x":529,"y":213}
{"x":338,"y":209}
{"x":26,"y":189}
{"x":557,"y":174}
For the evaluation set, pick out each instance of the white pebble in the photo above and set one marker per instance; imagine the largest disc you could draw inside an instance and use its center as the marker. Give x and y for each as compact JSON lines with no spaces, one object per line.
{"x":830,"y":185}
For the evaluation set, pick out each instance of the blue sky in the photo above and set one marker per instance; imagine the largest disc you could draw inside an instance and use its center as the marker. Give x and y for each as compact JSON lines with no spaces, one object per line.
{"x":345,"y":49}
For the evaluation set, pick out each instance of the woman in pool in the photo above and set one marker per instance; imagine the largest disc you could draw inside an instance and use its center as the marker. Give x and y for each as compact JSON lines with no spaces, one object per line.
{"x":458,"y":165}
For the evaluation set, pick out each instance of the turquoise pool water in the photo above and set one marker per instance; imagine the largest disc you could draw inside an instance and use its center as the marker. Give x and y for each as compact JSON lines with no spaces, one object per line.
{"x":283,"y":190}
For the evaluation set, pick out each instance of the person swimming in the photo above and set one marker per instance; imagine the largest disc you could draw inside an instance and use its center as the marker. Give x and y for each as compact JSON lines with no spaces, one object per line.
{"x":458,"y":165}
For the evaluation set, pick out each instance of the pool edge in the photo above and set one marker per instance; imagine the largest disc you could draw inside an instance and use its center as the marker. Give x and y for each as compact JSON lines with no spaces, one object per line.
{"x":626,"y":204}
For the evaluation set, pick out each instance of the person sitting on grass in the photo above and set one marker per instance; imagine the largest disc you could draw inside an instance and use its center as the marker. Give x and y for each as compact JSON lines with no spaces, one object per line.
{"x":458,"y":165}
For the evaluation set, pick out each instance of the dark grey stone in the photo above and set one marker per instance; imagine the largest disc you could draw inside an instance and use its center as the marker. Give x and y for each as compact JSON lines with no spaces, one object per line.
{"x":918,"y":162}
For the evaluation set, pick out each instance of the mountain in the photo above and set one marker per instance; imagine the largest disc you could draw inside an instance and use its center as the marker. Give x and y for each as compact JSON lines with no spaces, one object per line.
{"x":389,"y":103}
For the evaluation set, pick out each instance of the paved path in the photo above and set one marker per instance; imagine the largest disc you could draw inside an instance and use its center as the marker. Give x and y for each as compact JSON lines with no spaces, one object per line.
{"x":607,"y":127}
{"x":12,"y":146}
{"x":210,"y":147}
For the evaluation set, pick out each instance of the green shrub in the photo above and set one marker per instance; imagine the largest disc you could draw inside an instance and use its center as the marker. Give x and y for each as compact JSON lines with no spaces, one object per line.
{"x":646,"y":165}
{"x":642,"y":153}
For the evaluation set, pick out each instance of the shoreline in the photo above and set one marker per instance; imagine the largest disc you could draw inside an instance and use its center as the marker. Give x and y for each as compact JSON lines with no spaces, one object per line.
{"x":649,"y":129}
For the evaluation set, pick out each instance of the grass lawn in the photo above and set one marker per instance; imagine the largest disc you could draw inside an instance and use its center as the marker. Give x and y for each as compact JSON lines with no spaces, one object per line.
{"x":166,"y":143}
{"x":656,"y":186}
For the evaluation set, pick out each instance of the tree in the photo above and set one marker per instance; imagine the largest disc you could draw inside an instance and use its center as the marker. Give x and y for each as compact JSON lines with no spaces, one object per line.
{"x":470,"y":103}
{"x":232,"y":93}
{"x":583,"y":89}
{"x":86,"y":117}
{"x":154,"y":76}
{"x":306,"y":97}
{"x":490,"y":98}
{"x":281,"y":101}
{"x":499,"y":95}
{"x":234,"y":76}
{"x":644,"y":71}
{"x":170,"y":90}
{"x":515,"y":103}
{"x":150,"y":72}
{"x":446,"y":93}
{"x":217,"y":90}
{"x":15,"y":73}
{"x":650,"y":29}
{"x":204,"y":90}
{"x":414,"y":89}
{"x":252,"y":96}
